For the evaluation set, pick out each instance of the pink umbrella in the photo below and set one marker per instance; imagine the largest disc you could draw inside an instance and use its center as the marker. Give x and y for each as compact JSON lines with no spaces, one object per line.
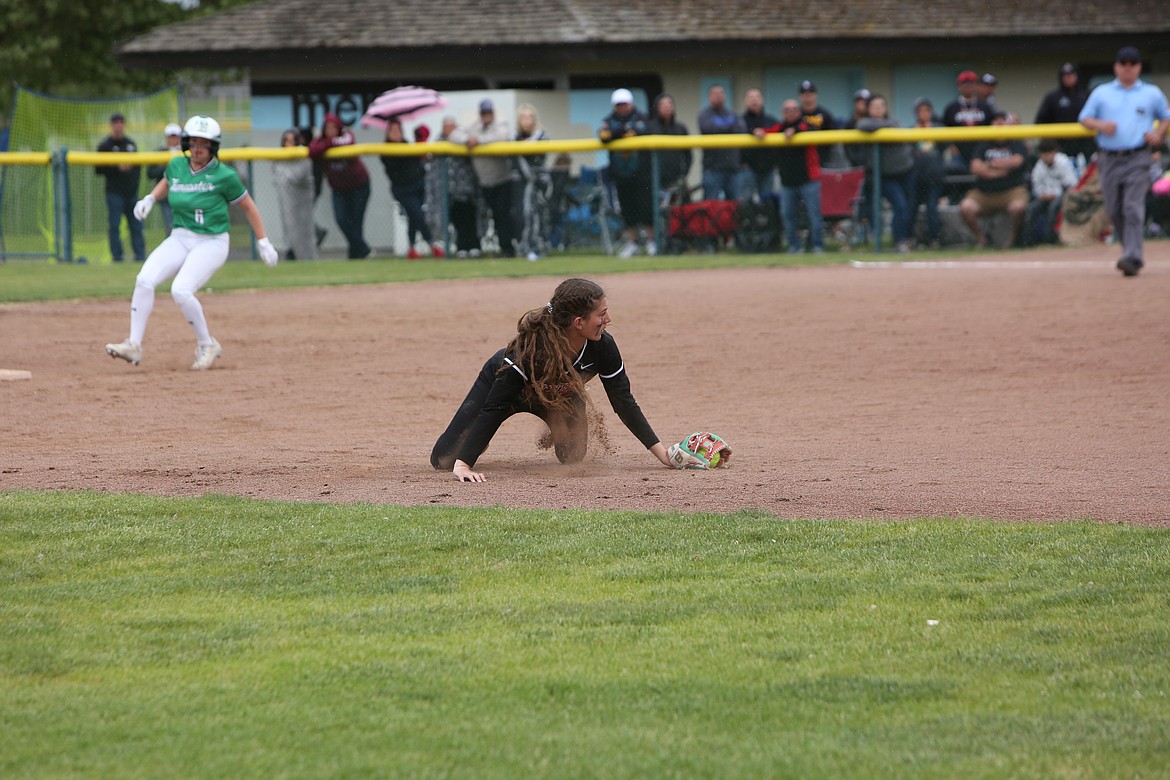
{"x":401,"y":103}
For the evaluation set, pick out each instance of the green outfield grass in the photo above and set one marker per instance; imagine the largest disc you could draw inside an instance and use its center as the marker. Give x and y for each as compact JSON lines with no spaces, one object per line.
{"x":27,"y":280}
{"x":154,"y":637}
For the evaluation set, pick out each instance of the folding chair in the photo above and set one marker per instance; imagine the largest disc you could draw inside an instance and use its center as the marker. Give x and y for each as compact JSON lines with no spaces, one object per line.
{"x":841,"y":203}
{"x":590,"y":213}
{"x":708,"y":223}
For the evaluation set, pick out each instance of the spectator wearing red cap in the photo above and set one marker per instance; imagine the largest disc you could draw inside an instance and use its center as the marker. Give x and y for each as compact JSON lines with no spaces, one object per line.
{"x":967,"y":110}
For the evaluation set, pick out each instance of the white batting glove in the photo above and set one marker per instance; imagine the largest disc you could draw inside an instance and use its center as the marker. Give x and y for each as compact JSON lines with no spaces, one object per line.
{"x":267,"y":252}
{"x":142,"y":208}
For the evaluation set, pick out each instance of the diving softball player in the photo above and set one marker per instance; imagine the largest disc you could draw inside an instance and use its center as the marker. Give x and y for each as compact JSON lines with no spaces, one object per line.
{"x":199,"y":188}
{"x":557,"y":349}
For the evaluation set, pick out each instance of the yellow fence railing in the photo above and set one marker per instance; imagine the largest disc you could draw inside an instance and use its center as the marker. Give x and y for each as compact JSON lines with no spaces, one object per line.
{"x":58,"y":234}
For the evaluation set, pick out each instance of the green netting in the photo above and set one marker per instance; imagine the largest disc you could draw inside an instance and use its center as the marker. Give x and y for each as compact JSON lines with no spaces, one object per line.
{"x":43,"y":123}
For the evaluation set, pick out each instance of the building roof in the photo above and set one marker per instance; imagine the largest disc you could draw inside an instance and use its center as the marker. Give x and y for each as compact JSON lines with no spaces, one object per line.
{"x":264,"y":31}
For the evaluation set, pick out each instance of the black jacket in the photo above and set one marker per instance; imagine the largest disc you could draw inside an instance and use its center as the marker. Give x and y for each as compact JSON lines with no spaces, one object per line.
{"x":673,"y":164}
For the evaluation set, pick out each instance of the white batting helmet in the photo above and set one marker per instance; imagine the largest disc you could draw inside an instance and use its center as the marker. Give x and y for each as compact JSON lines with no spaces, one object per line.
{"x":200,"y":126}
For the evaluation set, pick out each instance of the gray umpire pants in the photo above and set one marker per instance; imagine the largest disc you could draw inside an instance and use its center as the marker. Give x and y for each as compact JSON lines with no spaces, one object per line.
{"x":1125,"y":180}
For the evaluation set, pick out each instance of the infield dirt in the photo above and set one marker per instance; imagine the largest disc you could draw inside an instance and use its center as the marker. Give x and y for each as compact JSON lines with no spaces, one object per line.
{"x":1028,"y":386}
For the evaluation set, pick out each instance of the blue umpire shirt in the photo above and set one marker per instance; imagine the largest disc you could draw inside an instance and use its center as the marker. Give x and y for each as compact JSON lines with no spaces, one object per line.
{"x":1134,"y":110}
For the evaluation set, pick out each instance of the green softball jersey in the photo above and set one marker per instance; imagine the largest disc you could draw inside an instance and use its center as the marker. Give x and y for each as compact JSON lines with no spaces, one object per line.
{"x":199,"y":201}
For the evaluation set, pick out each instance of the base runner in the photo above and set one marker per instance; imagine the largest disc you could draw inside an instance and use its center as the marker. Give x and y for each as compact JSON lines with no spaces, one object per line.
{"x":199,"y":187}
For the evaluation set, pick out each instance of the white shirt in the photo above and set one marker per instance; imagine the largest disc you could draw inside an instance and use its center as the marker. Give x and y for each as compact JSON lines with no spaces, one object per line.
{"x":1053,"y":179}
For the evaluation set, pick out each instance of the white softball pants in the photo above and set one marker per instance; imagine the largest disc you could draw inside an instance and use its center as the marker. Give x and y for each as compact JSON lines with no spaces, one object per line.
{"x":191,"y":259}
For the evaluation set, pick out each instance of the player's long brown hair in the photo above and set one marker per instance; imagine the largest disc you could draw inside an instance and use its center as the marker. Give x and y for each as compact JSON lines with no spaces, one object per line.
{"x":541,"y":346}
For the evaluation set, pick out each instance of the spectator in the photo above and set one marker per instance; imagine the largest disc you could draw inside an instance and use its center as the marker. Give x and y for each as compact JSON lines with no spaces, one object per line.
{"x":673,"y":164}
{"x":998,"y":167}
{"x":121,"y":191}
{"x":720,"y":166}
{"x":350,"y":182}
{"x":1052,"y":175}
{"x":985,"y":91}
{"x":493,"y":173}
{"x":759,"y":165}
{"x":172,"y":141}
{"x":558,"y":199}
{"x":536,"y":185}
{"x":1124,"y":112}
{"x":967,"y":110}
{"x":860,"y":109}
{"x":800,"y":180}
{"x":630,"y":173}
{"x":928,"y":175}
{"x":855,"y":153}
{"x":1064,"y":104}
{"x":815,"y":116}
{"x":293,"y":180}
{"x":896,"y":161}
{"x":318,"y":181}
{"x":408,"y":186}
{"x":1158,"y":201}
{"x":462,"y":193}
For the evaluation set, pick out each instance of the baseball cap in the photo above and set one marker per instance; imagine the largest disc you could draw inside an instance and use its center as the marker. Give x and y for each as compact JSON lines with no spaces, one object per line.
{"x":1129,"y":53}
{"x":923,"y":101}
{"x":172,"y":129}
{"x":807,"y":86}
{"x":486,"y":107}
{"x":862,"y":94}
{"x":967,"y":76}
{"x":621,"y":95}
{"x":1067,"y":67}
{"x":117,"y":118}
{"x":988,"y":79}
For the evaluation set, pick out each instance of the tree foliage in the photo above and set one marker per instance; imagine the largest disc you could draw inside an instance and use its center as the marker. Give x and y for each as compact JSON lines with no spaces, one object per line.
{"x":66,"y":47}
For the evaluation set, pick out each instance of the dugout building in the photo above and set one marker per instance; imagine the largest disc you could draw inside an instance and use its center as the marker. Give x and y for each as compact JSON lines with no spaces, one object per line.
{"x":302,"y":56}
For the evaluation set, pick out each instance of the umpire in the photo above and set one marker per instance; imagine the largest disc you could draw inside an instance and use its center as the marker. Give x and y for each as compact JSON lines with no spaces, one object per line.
{"x":1124,"y":112}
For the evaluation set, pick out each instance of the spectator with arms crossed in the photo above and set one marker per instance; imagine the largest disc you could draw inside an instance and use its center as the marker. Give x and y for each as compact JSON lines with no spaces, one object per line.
{"x":999,"y":172}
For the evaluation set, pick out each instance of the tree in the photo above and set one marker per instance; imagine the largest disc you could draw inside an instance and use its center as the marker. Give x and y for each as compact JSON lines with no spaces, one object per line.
{"x":66,"y":47}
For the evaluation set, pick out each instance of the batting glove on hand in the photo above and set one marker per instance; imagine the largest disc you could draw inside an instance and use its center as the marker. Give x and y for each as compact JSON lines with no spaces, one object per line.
{"x":142,"y":208}
{"x":267,"y":252}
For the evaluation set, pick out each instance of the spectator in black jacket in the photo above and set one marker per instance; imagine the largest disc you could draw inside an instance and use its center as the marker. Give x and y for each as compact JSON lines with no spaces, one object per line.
{"x":673,"y":164}
{"x":759,"y":174}
{"x":816,"y":116}
{"x":1064,"y":104}
{"x":408,"y":186}
{"x":121,"y":191}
